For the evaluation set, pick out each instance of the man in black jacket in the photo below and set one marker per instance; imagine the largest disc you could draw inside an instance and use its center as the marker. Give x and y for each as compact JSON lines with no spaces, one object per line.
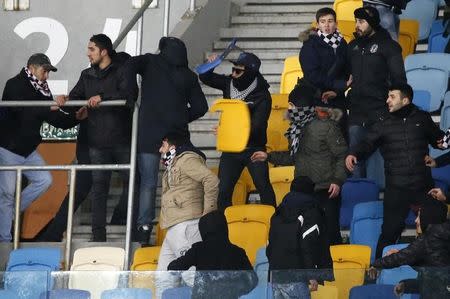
{"x":375,"y":63}
{"x":171,"y":97}
{"x":403,"y":138}
{"x":245,"y":83}
{"x":20,"y":136}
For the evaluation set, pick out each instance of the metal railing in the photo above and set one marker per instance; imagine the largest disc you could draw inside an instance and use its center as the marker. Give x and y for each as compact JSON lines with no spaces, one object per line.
{"x":72,"y":171}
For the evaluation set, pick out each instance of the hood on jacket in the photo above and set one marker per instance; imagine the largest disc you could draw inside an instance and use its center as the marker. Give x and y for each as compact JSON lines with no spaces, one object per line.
{"x":305,"y":35}
{"x":293,"y":204}
{"x":331,"y":113}
{"x":213,"y":226}
{"x":189,"y":147}
{"x":173,"y":50}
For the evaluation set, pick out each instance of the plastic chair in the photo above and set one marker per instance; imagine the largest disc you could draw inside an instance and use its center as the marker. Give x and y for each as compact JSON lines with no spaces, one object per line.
{"x":422,"y":99}
{"x":127,"y":294}
{"x":347,"y":27}
{"x":407,"y":39}
{"x":325,"y":292}
{"x":248,"y":227}
{"x":366,"y":224}
{"x":233,"y":131}
{"x":277,"y":124}
{"x":281,"y":179}
{"x":66,"y":294}
{"x":262,"y":266}
{"x":373,"y":291}
{"x":355,"y":191}
{"x":344,"y":9}
{"x":240,"y":190}
{"x":177,"y":293}
{"x":424,"y":11}
{"x":291,"y":72}
{"x":436,"y":41}
{"x":428,"y":60}
{"x":394,"y":275}
{"x":6,"y":294}
{"x":146,"y":258}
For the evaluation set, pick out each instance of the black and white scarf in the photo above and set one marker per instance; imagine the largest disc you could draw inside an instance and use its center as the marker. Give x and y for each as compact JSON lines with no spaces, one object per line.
{"x":446,"y":139}
{"x":300,"y":117}
{"x":236,"y":94}
{"x":333,"y":39}
{"x":41,"y":86}
{"x":168,"y":157}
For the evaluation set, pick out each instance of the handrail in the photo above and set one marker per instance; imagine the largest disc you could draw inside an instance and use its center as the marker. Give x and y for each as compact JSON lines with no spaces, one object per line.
{"x":73,"y":169}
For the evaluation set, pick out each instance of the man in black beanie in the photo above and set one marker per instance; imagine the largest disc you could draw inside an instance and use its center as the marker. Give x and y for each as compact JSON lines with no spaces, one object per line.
{"x":375,"y":63}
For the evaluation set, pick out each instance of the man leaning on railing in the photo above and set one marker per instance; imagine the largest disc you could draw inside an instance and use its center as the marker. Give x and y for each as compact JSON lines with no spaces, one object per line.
{"x":20,"y":135}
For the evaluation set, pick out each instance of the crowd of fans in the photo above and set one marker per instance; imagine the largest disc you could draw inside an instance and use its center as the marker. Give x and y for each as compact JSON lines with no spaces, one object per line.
{"x":326,"y":145}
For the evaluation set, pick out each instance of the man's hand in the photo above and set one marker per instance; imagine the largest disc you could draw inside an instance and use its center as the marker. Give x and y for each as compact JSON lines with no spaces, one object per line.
{"x":60,"y":101}
{"x":437,"y":193}
{"x":399,"y":289}
{"x":430,"y":162}
{"x":334,"y":190}
{"x":328,"y":95}
{"x":373,"y":273}
{"x":94,"y":101}
{"x":391,"y":251}
{"x":259,"y":156}
{"x":313,"y":285}
{"x":82,"y":113}
{"x":350,"y":162}
{"x":211,"y":57}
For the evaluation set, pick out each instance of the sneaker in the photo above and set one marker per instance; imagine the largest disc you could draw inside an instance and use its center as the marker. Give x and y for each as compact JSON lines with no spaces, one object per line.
{"x":143,"y":234}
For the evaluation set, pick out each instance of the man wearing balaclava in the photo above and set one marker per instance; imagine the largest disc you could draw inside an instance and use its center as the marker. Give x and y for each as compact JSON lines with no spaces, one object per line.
{"x":247,"y":84}
{"x":375,"y":63}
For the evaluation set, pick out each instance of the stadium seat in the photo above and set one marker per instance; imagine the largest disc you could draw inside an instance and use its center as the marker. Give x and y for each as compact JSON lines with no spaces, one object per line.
{"x":248,"y":227}
{"x":177,"y":293}
{"x":366,"y":224}
{"x":247,"y":179}
{"x":262,"y":266}
{"x":442,"y":175}
{"x":281,"y":179}
{"x":429,"y":60}
{"x":424,"y":11}
{"x":394,"y":275}
{"x":160,"y":235}
{"x":261,"y":291}
{"x":325,"y":292}
{"x":66,"y":294}
{"x":411,"y":27}
{"x":422,"y":99}
{"x":277,"y":124}
{"x":346,"y":28}
{"x":234,"y":125}
{"x":373,"y":291}
{"x":6,"y":294}
{"x":146,"y":258}
{"x":407,"y":40}
{"x":240,"y":191}
{"x":291,"y":72}
{"x":355,"y":191}
{"x":96,"y":269}
{"x":344,"y":9}
{"x":131,"y":293}
{"x":436,"y":40}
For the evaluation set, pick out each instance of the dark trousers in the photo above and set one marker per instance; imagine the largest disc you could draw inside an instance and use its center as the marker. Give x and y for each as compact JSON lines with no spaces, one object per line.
{"x":396,"y":205}
{"x":230,"y":169}
{"x":331,"y":208}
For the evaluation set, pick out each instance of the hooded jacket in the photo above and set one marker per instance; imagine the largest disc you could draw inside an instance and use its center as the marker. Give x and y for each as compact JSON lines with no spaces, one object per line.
{"x":20,"y":126}
{"x":259,"y":102}
{"x":213,"y":254}
{"x":376,"y":62}
{"x":171,"y":96}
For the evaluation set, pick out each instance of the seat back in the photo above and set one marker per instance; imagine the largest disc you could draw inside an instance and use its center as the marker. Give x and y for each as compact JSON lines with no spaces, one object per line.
{"x":409,"y":27}
{"x":7,"y":294}
{"x":262,"y":266}
{"x":146,"y":258}
{"x":281,"y":179}
{"x":436,"y":40}
{"x":126,"y":293}
{"x":325,"y":292}
{"x":428,"y":60}
{"x":347,"y":27}
{"x":248,"y":227}
{"x":394,"y":275}
{"x":291,"y":72}
{"x":344,"y":9}
{"x":277,"y":124}
{"x":424,"y":11}
{"x":366,"y":224}
{"x":66,"y":294}
{"x":177,"y":293}
{"x":233,"y":131}
{"x":407,"y":43}
{"x":422,"y":99}
{"x":373,"y":291}
{"x":355,"y":191}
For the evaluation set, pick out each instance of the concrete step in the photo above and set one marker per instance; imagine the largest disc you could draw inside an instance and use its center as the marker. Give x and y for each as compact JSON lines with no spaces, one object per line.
{"x":293,"y":8}
{"x":304,"y":19}
{"x":263,"y":55}
{"x":260,"y":45}
{"x":272,"y":32}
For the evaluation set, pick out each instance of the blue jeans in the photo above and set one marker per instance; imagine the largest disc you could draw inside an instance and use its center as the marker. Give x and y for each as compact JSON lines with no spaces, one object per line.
{"x":148,"y":165}
{"x":356,"y":135}
{"x":39,"y":182}
{"x":388,"y":20}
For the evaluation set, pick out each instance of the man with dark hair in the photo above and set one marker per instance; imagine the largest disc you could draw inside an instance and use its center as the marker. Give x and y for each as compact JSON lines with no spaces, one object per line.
{"x":375,"y":63}
{"x":403,"y":138}
{"x":20,"y":135}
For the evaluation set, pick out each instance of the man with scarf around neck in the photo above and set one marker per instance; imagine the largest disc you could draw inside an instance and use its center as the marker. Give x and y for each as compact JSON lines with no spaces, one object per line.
{"x":318,"y":150}
{"x":403,"y":138}
{"x":375,"y":62}
{"x":247,"y":84}
{"x":20,"y":135}
{"x":323,"y":58}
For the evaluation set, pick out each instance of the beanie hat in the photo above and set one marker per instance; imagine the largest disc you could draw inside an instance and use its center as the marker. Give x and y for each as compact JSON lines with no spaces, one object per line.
{"x":432,"y":212}
{"x":370,"y":14}
{"x":302,"y":184}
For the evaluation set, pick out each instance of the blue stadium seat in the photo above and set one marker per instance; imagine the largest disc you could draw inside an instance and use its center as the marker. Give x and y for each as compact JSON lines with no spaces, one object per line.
{"x":262,"y":291}
{"x":422,"y":99}
{"x":373,"y":291}
{"x":66,"y":294}
{"x":366,"y":224}
{"x":445,"y":113}
{"x":425,"y":12}
{"x":177,"y":293}
{"x":355,"y":191}
{"x":410,"y":219}
{"x":375,"y":169}
{"x":428,"y":60}
{"x":6,"y":294}
{"x":131,"y":293}
{"x":393,"y":276}
{"x":442,"y":175}
{"x":436,"y":40}
{"x":262,"y":266}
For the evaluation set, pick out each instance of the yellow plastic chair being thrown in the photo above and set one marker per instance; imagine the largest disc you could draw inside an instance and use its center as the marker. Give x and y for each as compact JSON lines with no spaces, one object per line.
{"x":233,"y":131}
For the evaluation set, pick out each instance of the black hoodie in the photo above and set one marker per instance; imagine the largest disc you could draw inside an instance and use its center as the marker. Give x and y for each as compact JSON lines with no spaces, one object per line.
{"x":171,"y":96}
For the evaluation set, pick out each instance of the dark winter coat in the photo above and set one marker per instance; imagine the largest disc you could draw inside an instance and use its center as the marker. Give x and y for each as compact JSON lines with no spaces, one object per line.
{"x":171,"y":96}
{"x":403,"y":138}
{"x":213,"y":256}
{"x":375,"y":63}
{"x":259,"y":102}
{"x":105,"y":127}
{"x":20,"y":126}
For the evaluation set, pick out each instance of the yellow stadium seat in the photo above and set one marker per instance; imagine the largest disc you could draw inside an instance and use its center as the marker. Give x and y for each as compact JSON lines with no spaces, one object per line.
{"x":291,"y":72}
{"x":234,"y":125}
{"x":240,"y":191}
{"x":160,"y":235}
{"x":408,"y":36}
{"x":344,"y":9}
{"x":145,"y":259}
{"x":325,"y":292}
{"x":281,"y":179}
{"x":347,"y":28}
{"x":277,"y":124}
{"x":349,"y":265}
{"x":248,"y":227}
{"x":410,"y":26}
